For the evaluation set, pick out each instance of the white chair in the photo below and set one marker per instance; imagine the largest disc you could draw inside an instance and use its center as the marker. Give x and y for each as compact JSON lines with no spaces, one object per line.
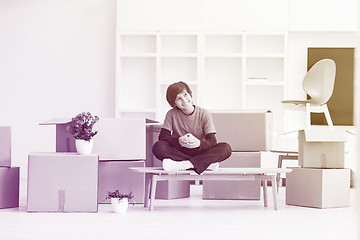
{"x":318,"y":83}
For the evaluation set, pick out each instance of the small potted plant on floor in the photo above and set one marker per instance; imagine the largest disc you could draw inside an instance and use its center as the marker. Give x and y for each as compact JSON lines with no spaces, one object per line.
{"x":81,"y":127}
{"x":119,"y":201}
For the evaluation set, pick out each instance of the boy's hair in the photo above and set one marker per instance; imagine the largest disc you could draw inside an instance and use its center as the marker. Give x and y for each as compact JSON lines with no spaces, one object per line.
{"x":174,"y":89}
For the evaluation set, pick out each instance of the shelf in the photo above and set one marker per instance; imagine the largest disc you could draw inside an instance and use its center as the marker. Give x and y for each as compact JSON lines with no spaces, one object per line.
{"x":265,"y":44}
{"x":225,"y":70}
{"x":264,"y":83}
{"x":223,"y":44}
{"x":193,"y":83}
{"x":223,"y":83}
{"x":178,"y":44}
{"x":136,"y":44}
{"x":137,"y":55}
{"x":269,"y":55}
{"x":270,"y":69}
{"x":180,"y":55}
{"x":178,"y":69}
{"x":234,"y":55}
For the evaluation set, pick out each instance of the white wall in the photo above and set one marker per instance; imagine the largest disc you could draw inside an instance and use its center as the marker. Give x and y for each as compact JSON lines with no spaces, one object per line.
{"x":57,"y":58}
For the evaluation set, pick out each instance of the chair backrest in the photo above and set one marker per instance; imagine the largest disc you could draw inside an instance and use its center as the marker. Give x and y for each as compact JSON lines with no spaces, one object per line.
{"x":319,"y":81}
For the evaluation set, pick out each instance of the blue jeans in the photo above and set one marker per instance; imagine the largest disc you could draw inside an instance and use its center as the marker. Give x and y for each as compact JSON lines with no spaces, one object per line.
{"x":201,"y":160}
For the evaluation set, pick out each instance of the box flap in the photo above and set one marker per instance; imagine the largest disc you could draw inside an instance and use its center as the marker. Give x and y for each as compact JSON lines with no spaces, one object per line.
{"x":147,"y":120}
{"x":59,"y":120}
{"x":324,"y":135}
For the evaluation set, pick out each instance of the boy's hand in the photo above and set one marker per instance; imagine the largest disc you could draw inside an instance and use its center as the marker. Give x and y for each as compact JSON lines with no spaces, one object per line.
{"x":189,"y":141}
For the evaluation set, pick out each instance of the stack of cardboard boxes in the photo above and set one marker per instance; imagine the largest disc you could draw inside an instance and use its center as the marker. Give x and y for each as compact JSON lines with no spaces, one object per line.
{"x":69,"y":182}
{"x":171,"y":189}
{"x":9,"y":176}
{"x":321,"y":181}
{"x":248,"y":132}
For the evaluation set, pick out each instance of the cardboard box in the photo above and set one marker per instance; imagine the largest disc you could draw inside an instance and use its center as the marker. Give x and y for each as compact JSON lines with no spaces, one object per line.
{"x":321,"y":148}
{"x":9,"y":187}
{"x":116,"y":175}
{"x":5,"y":146}
{"x":172,"y":189}
{"x":164,"y":189}
{"x":65,"y":141}
{"x":245,"y":131}
{"x":242,"y":189}
{"x":319,"y":188}
{"x":62,"y":182}
{"x":117,"y":139}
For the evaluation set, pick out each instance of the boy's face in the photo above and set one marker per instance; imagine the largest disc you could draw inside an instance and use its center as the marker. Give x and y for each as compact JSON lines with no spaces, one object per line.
{"x":184,"y":101}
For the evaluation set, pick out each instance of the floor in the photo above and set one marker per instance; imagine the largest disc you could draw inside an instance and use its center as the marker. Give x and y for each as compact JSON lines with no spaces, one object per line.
{"x":191,"y":218}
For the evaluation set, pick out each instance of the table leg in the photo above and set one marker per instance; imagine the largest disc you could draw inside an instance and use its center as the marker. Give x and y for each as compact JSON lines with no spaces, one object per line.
{"x":264,"y":183}
{"x":153,"y":191}
{"x":148,"y":178}
{"x":274,"y":192}
{"x":281,"y":157}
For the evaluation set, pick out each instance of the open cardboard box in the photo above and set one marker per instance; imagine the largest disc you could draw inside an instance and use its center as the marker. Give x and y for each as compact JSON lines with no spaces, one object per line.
{"x":244,"y":130}
{"x":321,"y":147}
{"x":117,"y":139}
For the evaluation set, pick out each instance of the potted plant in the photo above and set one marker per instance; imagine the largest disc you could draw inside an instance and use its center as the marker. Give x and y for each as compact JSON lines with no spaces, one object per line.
{"x":81,"y":127}
{"x":119,"y":201}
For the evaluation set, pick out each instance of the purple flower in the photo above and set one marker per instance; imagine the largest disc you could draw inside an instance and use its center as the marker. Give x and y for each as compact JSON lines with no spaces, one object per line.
{"x":81,"y":126}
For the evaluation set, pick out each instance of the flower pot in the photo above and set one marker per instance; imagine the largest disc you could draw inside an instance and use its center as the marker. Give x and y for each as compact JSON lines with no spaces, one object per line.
{"x":120,"y":205}
{"x":84,"y":147}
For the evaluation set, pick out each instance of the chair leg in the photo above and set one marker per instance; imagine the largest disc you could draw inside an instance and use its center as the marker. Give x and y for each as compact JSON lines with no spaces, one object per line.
{"x":308,"y":116}
{"x":281,"y":157}
{"x":327,"y":116}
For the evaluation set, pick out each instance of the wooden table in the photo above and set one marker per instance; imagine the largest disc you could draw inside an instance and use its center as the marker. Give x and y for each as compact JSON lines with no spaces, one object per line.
{"x":263,"y":174}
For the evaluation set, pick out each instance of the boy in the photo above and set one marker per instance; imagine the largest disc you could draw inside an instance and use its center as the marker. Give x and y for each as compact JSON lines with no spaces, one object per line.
{"x":187,"y":139}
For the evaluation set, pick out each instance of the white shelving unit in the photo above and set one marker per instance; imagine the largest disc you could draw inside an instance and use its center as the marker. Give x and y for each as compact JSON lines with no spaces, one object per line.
{"x":226,"y":70}
{"x":265,"y":56}
{"x":178,"y":61}
{"x":223,"y":70}
{"x":136,"y":74}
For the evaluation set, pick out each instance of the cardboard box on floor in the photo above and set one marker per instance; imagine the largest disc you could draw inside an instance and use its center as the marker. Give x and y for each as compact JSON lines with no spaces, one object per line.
{"x":244,"y":130}
{"x":5,"y":146}
{"x":171,"y":189}
{"x":321,"y":147}
{"x":241,"y":189}
{"x":9,"y":187}
{"x":117,"y":139}
{"x":62,"y":182}
{"x":116,"y":175}
{"x":318,"y":188}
